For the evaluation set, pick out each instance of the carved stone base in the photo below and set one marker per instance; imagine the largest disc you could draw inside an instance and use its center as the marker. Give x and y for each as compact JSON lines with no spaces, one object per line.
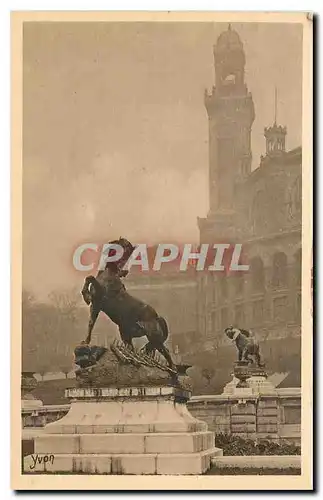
{"x":136,"y":430}
{"x":248,"y":380}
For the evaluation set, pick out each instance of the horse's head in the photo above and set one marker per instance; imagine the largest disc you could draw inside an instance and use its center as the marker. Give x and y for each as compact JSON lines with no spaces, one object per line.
{"x":117,"y":265}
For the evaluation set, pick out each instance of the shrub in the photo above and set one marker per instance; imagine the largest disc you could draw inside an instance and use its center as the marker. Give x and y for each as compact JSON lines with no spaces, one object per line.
{"x":235,"y":445}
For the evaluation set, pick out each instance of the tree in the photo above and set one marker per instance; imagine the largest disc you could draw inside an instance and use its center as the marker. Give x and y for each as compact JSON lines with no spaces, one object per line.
{"x":208,"y":374}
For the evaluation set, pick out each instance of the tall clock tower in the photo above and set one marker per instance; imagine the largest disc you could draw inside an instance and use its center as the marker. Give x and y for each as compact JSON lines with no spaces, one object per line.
{"x":231,"y":114}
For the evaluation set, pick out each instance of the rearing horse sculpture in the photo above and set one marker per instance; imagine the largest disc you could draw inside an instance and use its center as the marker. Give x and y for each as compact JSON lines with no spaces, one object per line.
{"x":107,"y":293}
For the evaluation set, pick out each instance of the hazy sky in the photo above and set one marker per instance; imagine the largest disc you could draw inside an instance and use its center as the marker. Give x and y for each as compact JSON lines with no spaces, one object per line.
{"x":116,"y":132}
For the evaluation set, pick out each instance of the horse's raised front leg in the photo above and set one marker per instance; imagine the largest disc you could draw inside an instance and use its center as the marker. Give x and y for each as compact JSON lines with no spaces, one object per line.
{"x":94,"y":312}
{"x":85,"y":290}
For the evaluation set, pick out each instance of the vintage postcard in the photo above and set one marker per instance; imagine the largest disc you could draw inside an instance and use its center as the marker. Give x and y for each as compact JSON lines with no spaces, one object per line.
{"x":162,"y":251}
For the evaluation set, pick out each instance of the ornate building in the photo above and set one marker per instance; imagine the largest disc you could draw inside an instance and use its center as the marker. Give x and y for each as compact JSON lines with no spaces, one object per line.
{"x":261,"y":209}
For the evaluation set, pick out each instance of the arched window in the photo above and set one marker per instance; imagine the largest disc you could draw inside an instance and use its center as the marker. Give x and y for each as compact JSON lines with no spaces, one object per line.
{"x":279,"y":278}
{"x":239,"y":283}
{"x":239,"y":317}
{"x":224,"y":318}
{"x":223,"y":288}
{"x":257,"y":274}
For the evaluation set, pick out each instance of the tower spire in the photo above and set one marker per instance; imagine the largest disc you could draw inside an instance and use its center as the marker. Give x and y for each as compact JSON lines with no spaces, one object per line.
{"x":275,"y":135}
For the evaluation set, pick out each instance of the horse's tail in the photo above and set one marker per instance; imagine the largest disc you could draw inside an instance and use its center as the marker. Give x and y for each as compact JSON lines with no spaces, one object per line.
{"x":164,"y":327}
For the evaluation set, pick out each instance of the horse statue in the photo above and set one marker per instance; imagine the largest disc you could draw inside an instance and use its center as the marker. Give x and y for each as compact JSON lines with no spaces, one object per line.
{"x":107,"y":293}
{"x":246,"y":344}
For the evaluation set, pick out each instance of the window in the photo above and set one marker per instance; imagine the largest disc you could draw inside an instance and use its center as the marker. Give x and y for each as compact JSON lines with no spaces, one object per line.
{"x":258,"y":312}
{"x":280,"y":308}
{"x":225,"y":157}
{"x":230,"y":79}
{"x":224,"y":318}
{"x":279,"y":278}
{"x":214,"y":290}
{"x":239,"y":318}
{"x":215,"y":325}
{"x":239,"y":283}
{"x":257,"y":275}
{"x":223,"y":287}
{"x":292,"y":414}
{"x":259,"y":213}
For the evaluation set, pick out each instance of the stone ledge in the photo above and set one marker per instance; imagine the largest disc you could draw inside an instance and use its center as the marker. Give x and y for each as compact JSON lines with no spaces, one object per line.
{"x":124,"y":443}
{"x":258,"y":461}
{"x":157,"y":427}
{"x":139,"y":464}
{"x":112,"y":393}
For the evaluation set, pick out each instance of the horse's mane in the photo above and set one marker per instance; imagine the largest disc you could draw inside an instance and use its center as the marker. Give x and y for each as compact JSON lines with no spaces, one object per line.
{"x":118,"y":265}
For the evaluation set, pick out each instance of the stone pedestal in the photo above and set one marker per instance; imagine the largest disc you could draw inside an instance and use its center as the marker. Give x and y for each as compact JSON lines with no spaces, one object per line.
{"x":253,"y":411}
{"x":248,"y":380}
{"x":135,"y":430}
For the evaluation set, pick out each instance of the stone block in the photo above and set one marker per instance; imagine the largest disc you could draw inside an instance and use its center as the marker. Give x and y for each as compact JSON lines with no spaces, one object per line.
{"x":92,"y":464}
{"x":267,"y":403}
{"x":180,"y":426}
{"x":179,"y":443}
{"x":30,"y":466}
{"x":267,"y":420}
{"x":112,"y":443}
{"x":245,"y":428}
{"x":218,"y":410}
{"x":53,"y":444}
{"x":240,"y":419}
{"x":87,"y":464}
{"x":245,"y":409}
{"x":85,"y":429}
{"x":184,"y":463}
{"x":61,"y":463}
{"x":263,"y":411}
{"x":267,"y":428}
{"x":133,"y":464}
{"x":60,"y":429}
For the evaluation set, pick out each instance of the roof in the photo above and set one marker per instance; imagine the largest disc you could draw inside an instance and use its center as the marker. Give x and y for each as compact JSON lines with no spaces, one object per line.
{"x":292,"y":157}
{"x":229,"y":40}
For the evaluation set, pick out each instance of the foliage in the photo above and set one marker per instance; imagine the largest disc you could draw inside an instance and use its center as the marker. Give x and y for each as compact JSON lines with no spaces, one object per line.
{"x":50,"y":330}
{"x":235,"y":445}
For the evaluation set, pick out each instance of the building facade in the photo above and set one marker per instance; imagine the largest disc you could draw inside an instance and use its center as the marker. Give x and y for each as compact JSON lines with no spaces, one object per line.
{"x":260,"y":209}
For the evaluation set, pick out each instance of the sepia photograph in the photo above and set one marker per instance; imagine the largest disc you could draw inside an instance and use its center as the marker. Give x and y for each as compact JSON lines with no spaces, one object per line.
{"x":162,"y":283}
